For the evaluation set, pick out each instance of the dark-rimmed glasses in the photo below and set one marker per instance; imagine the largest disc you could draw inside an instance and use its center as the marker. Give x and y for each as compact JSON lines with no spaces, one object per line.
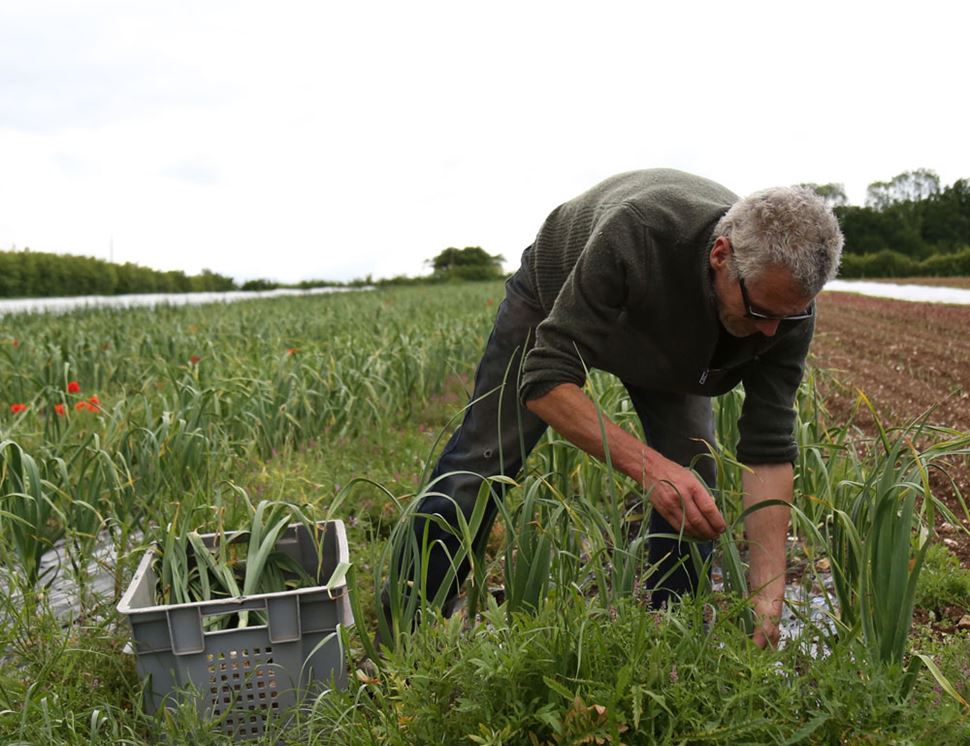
{"x":755,"y":313}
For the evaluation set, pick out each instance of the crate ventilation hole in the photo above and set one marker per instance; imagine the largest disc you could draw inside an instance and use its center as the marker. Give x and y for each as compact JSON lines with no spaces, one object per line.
{"x":242,"y":683}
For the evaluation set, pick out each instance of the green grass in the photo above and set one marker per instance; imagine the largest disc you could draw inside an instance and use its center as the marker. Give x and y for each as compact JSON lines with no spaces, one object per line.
{"x":943,"y":581}
{"x":576,"y":674}
{"x":337,"y":404}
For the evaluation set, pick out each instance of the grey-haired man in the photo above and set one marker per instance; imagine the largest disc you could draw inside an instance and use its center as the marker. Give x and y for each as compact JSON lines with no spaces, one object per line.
{"x":682,"y":290}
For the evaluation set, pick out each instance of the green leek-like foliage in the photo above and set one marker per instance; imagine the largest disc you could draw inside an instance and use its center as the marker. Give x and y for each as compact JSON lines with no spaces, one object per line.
{"x":565,"y":528}
{"x":26,"y":510}
{"x":232,"y":564}
{"x":878,"y":533}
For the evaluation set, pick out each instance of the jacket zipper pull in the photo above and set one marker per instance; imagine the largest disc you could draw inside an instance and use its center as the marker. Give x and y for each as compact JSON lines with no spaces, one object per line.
{"x":703,"y":378}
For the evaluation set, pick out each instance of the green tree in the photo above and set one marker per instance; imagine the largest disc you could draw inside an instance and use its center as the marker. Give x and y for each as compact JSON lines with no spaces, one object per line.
{"x":40,"y":274}
{"x":259,"y":284}
{"x":212,"y":282}
{"x":946,"y":223}
{"x":897,"y":210}
{"x":833,"y":194}
{"x":469,"y":263}
{"x":11,"y":283}
{"x":909,"y":186}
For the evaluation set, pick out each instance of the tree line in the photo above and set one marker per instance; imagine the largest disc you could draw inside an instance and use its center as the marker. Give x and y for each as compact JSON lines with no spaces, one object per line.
{"x":26,"y":274}
{"x":33,"y":274}
{"x":909,"y":226}
{"x":471,"y":263}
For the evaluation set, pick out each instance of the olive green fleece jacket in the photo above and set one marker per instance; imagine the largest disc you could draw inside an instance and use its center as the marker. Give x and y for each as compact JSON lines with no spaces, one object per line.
{"x":622,"y":272}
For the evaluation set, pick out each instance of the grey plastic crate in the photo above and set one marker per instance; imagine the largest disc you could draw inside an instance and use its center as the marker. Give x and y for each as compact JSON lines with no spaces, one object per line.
{"x":243,"y":675}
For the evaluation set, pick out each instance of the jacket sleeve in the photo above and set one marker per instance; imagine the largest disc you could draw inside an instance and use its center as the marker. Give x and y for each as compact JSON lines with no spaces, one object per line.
{"x":771,"y":383}
{"x":586,"y":308}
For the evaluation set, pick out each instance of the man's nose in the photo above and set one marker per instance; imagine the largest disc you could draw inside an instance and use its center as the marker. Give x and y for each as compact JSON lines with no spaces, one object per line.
{"x":768,"y":327}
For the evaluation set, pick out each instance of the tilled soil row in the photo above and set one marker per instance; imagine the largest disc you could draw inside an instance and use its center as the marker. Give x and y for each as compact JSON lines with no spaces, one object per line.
{"x":907,"y":358}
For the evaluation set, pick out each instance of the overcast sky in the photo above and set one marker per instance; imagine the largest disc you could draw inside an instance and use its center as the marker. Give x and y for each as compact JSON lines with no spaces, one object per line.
{"x":322,"y":139}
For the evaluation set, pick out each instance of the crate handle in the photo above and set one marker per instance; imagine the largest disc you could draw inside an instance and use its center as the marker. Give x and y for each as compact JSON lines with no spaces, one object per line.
{"x":232,"y":605}
{"x":188,"y":636}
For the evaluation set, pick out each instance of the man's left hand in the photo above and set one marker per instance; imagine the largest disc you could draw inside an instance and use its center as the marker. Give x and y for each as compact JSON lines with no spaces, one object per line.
{"x":767,"y":614}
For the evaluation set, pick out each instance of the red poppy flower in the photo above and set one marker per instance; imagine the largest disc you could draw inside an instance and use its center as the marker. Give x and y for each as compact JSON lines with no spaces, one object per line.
{"x":291,"y":350}
{"x":78,"y":406}
{"x":93,"y":403}
{"x":73,"y":387}
{"x":194,"y":360}
{"x":17,"y":408}
{"x":59,"y":409}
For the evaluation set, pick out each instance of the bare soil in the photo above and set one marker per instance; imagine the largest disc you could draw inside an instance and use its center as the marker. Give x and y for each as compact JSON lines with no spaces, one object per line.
{"x":907,"y":358}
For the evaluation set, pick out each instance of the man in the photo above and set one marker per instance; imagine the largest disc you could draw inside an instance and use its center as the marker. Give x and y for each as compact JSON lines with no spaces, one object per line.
{"x":683,"y":291}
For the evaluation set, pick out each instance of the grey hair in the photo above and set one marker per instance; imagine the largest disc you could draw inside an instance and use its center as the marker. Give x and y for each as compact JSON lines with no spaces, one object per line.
{"x":791,"y":227}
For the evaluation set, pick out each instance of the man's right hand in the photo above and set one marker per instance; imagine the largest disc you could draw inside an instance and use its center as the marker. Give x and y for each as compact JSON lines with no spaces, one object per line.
{"x":675,"y":492}
{"x":680,"y":497}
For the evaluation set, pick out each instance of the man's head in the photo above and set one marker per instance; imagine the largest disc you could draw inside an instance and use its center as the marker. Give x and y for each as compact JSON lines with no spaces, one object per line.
{"x":773,"y":252}
{"x":789,"y":227}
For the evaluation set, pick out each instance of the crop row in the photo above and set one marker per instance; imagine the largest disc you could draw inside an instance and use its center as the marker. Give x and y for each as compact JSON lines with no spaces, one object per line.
{"x":121,"y":416}
{"x":174,"y":402}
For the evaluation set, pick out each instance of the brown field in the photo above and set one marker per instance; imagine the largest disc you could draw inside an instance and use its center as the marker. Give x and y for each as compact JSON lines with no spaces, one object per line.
{"x":907,"y":358}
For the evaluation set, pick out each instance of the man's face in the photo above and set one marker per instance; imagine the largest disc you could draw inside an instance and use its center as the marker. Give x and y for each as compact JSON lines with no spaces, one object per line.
{"x":773,"y":292}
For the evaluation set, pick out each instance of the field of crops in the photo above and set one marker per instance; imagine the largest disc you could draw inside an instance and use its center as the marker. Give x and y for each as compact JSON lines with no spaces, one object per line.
{"x":123,"y":428}
{"x":909,"y":358}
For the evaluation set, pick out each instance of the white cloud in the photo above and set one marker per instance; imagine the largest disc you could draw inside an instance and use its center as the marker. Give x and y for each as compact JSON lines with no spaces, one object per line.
{"x":308,"y":139}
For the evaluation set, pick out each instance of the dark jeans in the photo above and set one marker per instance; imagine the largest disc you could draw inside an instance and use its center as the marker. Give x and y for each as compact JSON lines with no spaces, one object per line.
{"x":498,"y":433}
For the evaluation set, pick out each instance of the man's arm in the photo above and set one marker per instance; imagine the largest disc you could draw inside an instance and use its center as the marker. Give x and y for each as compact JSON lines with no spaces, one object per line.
{"x":675,"y":492}
{"x":767,"y":532}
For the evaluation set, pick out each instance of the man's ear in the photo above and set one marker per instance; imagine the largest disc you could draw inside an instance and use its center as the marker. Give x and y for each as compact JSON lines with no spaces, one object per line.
{"x":720,"y":253}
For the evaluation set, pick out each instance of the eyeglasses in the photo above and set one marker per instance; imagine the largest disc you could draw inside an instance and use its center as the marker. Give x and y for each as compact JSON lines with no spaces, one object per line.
{"x":754,"y":313}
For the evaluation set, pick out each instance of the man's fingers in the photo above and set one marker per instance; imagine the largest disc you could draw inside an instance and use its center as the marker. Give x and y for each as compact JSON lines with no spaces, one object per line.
{"x":699,"y":521}
{"x":675,"y":507}
{"x":708,"y":507}
{"x":686,"y":504}
{"x":699,"y":524}
{"x":682,"y":508}
{"x":695,"y":523}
